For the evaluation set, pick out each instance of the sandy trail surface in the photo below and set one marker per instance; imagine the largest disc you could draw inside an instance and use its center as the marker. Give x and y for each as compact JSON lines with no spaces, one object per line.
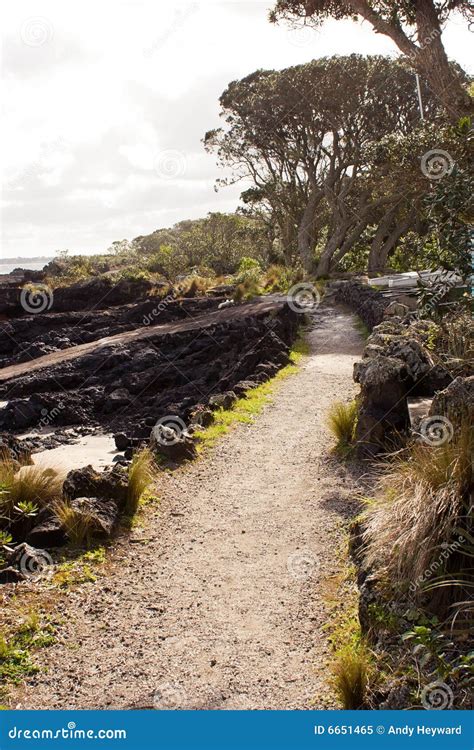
{"x":218,"y":600}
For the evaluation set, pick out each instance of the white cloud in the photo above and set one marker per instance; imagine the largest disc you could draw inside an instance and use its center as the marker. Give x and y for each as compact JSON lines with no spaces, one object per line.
{"x":106,"y":104}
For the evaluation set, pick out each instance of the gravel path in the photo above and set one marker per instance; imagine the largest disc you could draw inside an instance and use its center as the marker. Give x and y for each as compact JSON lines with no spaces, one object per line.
{"x":219,"y":601}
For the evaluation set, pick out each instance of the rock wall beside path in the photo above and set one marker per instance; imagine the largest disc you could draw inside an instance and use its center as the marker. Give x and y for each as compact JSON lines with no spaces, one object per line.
{"x":396,"y":363}
{"x":368,"y":303}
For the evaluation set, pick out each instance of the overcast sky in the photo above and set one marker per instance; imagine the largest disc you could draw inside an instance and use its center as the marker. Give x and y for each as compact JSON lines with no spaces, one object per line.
{"x":105,"y":104}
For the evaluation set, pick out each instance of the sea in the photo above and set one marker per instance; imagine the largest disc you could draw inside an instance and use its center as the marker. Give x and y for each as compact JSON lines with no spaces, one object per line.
{"x":32,"y":264}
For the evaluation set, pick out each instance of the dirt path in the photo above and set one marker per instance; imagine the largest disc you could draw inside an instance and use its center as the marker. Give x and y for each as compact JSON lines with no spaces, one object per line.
{"x":265,"y":304}
{"x":219,"y":602}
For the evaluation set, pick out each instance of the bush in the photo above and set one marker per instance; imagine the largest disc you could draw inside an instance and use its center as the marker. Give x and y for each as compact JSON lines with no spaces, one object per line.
{"x":249,"y":272}
{"x":134,"y":274}
{"x":281,"y":278}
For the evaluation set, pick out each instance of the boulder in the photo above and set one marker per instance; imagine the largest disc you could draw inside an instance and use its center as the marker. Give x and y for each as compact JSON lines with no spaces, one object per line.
{"x":19,"y":414}
{"x":222,"y":400}
{"x":87,"y":482}
{"x":101,"y":515}
{"x":456,"y":402}
{"x":27,"y":558}
{"x":24,"y":562}
{"x":11,"y":575}
{"x":202,"y":416}
{"x":176,"y":446}
{"x":13,"y":449}
{"x":384,"y":384}
{"x":48,"y":533}
{"x":119,"y":397}
{"x":245,"y":385}
{"x":122,"y":442}
{"x":396,"y":309}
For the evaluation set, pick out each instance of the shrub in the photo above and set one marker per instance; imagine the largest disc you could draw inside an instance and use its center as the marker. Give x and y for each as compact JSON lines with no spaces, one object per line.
{"x":140,"y":476}
{"x":134,"y":274}
{"x":193,"y":286}
{"x":246,"y":290}
{"x":281,"y":278}
{"x":453,"y":343}
{"x":342,"y":420}
{"x":249,"y":276}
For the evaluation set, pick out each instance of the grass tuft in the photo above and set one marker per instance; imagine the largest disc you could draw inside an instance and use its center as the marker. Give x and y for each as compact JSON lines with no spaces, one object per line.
{"x":15,"y":648}
{"x":350,"y":677}
{"x":342,"y":420}
{"x":140,"y":476}
{"x":420,"y":515}
{"x":80,"y":527}
{"x":31,"y":486}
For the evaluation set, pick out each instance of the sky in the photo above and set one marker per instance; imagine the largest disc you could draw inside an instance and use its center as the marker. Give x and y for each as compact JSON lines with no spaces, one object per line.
{"x":105,"y":105}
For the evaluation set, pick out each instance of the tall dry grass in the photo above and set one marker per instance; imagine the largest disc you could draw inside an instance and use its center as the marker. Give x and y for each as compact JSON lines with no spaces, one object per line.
{"x":422,"y":507}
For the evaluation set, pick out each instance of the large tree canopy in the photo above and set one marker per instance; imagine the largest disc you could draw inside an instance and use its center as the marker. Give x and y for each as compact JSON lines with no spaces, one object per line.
{"x":415,"y":26}
{"x":307,"y":136}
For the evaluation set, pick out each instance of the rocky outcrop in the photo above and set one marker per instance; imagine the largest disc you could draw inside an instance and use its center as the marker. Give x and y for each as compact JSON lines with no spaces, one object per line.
{"x":128,"y":387}
{"x":456,"y":402}
{"x":100,"y":293}
{"x":10,"y":289}
{"x":30,"y":336}
{"x":396,"y":363}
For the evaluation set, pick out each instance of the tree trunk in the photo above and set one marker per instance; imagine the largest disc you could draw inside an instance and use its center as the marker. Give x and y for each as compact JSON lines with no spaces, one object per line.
{"x":349,"y":242}
{"x":383,"y":229}
{"x":389,"y":242}
{"x":433,"y":64}
{"x":333,"y":242}
{"x":428,"y":56}
{"x":306,"y":233}
{"x":392,"y":239}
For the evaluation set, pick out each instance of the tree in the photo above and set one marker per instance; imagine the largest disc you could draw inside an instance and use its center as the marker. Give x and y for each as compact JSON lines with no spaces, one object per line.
{"x":305,"y":137}
{"x":414,"y":25}
{"x":216,"y":242}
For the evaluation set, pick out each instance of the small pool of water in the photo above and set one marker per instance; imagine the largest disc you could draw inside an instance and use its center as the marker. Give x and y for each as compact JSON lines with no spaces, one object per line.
{"x":96,"y":450}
